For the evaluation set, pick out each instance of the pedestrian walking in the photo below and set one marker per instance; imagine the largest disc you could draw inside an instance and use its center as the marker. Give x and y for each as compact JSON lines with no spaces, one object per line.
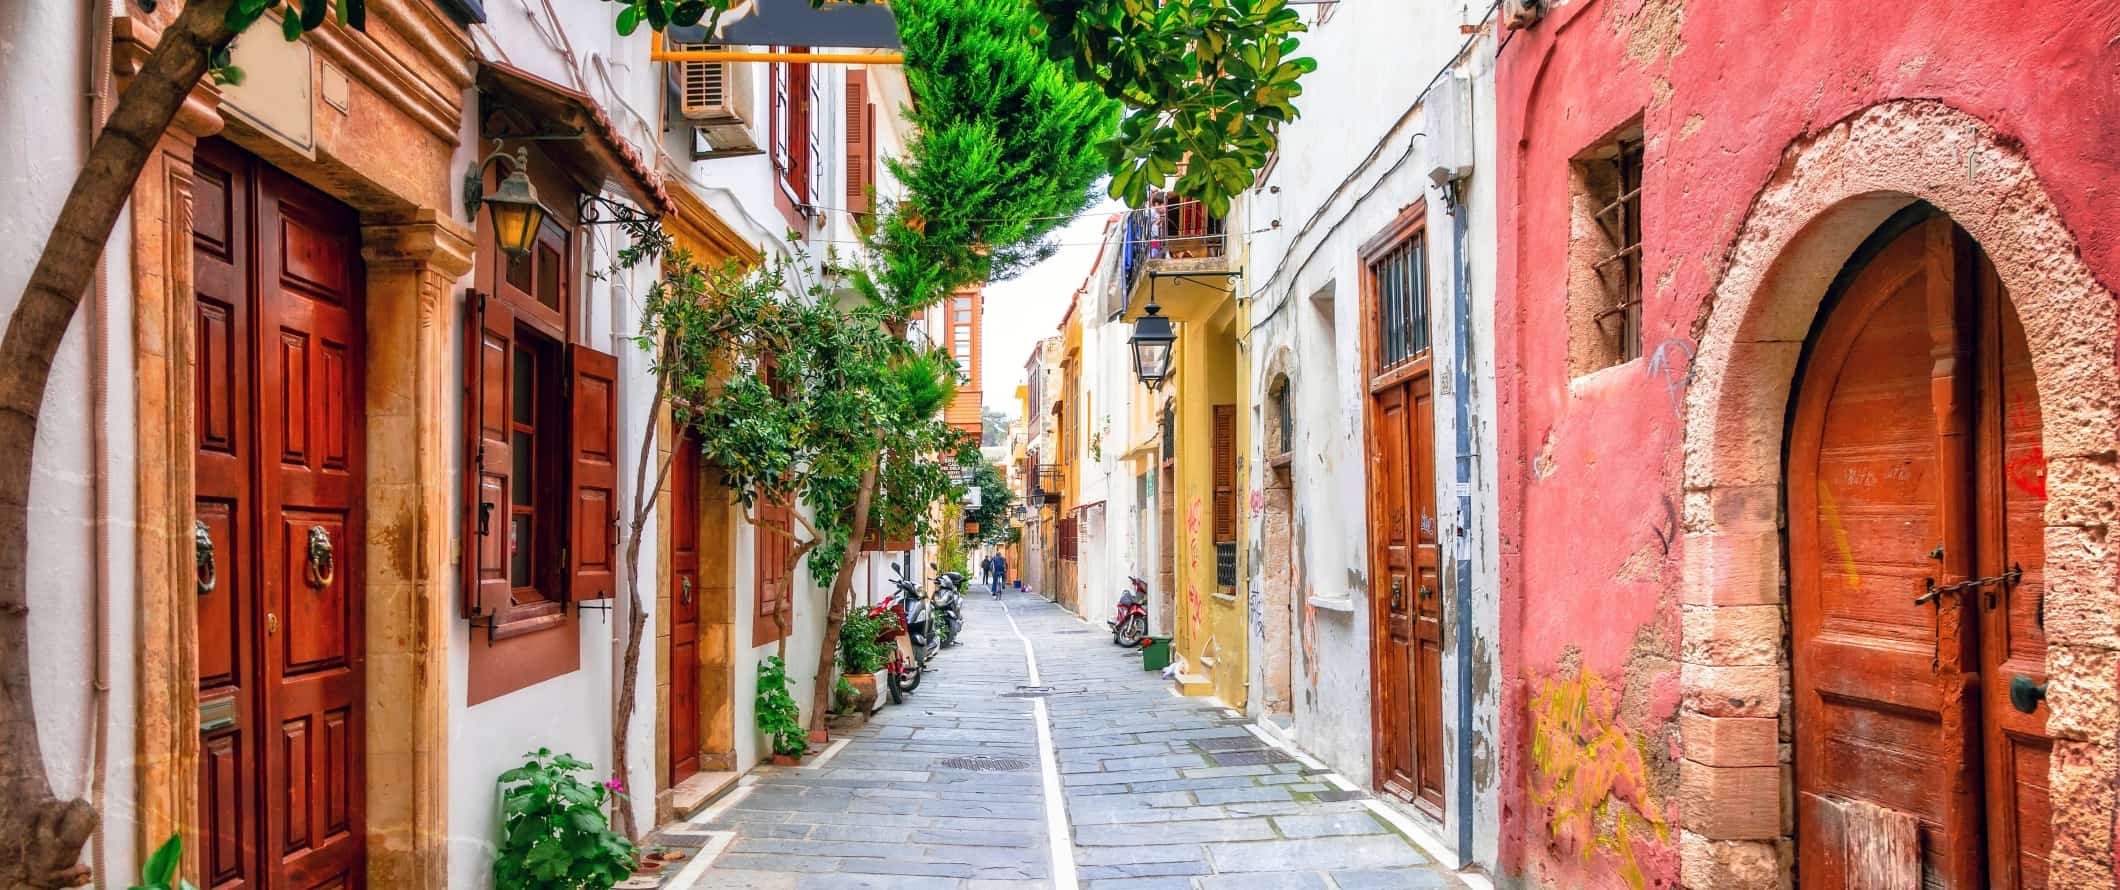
{"x":1000,"y":573}
{"x":986,"y":571}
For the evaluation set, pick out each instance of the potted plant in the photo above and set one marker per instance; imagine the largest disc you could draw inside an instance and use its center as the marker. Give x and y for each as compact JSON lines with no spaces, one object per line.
{"x":861,"y":655}
{"x":779,"y":719}
{"x":553,"y":832}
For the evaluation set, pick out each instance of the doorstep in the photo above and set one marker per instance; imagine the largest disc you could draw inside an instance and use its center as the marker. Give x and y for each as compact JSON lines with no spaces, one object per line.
{"x":1194,"y":685}
{"x":693,"y":794}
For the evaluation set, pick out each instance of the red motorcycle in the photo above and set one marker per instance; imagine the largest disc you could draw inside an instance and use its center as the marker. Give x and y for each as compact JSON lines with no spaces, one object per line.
{"x":902,"y":672}
{"x":1130,"y":626}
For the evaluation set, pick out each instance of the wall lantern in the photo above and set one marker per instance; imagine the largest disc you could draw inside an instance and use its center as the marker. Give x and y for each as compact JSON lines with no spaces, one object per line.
{"x":517,"y":213}
{"x":1152,"y":340}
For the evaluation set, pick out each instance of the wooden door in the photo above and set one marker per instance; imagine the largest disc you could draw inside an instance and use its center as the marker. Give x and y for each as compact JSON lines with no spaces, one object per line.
{"x":1913,"y":474}
{"x":683,"y":710}
{"x":280,"y":482}
{"x":1406,"y":612}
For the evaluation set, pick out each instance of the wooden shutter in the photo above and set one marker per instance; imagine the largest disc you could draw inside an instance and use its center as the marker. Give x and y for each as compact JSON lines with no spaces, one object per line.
{"x":489,"y":348}
{"x":1225,"y":473}
{"x":592,"y":511}
{"x":868,"y":137}
{"x":770,"y":558}
{"x":858,"y":146}
{"x":813,"y":97}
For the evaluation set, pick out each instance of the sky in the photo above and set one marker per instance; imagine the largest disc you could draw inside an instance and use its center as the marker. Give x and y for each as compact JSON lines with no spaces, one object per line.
{"x":1026,"y":309}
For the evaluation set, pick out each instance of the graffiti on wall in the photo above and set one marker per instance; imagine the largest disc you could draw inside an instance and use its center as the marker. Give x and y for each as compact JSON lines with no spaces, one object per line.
{"x":1672,"y":360}
{"x":1589,"y":773}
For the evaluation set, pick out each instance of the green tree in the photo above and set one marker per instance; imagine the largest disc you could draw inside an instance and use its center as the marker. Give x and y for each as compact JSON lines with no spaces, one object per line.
{"x":995,"y":499}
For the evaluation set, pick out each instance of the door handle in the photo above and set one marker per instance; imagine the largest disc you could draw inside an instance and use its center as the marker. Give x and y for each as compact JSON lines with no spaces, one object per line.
{"x":1398,"y":594}
{"x":2026,"y":695}
{"x":272,"y":623}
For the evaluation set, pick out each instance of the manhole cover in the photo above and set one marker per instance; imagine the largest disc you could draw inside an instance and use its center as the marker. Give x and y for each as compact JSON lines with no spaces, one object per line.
{"x":1232,"y":743}
{"x":984,"y":763}
{"x":1249,"y":758}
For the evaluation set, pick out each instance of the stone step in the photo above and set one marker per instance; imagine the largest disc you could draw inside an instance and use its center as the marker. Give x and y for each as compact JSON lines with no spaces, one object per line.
{"x":694,"y":794}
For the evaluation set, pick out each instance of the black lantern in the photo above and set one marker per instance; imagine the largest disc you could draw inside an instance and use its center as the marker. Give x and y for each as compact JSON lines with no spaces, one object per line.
{"x":517,"y":213}
{"x":1152,"y":340}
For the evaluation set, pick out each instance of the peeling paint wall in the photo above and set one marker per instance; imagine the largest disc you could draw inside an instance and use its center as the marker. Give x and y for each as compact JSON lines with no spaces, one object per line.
{"x":1361,"y":153}
{"x":1601,"y":578}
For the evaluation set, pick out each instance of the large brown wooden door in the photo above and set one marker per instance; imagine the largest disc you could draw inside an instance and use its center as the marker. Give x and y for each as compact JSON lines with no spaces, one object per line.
{"x":1916,"y":503}
{"x":1406,"y":611}
{"x":279,"y":478}
{"x":683,"y":711}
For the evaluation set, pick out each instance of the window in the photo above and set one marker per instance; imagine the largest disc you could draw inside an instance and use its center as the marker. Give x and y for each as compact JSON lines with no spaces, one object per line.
{"x":860,"y":142}
{"x":1281,"y":415}
{"x":1400,"y":276}
{"x":541,"y":428}
{"x":794,"y":140}
{"x":1604,"y":254}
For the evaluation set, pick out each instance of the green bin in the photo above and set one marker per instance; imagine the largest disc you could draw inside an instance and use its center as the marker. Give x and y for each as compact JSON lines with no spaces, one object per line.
{"x":1155,"y":653}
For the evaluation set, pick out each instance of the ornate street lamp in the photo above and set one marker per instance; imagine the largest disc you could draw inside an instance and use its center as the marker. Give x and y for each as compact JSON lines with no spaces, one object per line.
{"x":1152,"y":341}
{"x":517,"y":213}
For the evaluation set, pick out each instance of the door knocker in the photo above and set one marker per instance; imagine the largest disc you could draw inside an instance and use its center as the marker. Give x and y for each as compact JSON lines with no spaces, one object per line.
{"x":202,"y":546}
{"x":321,"y":567}
{"x":686,"y":596}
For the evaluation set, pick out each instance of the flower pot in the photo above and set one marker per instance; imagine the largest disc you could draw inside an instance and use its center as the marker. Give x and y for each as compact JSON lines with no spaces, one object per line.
{"x":787,"y":760}
{"x":648,"y":865}
{"x":864,"y":693}
{"x":819,"y":738}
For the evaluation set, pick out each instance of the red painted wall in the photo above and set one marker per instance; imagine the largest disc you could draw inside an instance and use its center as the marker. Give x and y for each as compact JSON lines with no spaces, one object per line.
{"x":1722,"y":88}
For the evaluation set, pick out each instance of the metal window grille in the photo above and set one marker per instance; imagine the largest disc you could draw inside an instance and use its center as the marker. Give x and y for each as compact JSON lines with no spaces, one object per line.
{"x":1622,"y":222}
{"x":1401,"y":277}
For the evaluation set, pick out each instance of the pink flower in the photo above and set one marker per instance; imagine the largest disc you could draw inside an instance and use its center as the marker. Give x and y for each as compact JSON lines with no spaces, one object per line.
{"x":616,"y":786}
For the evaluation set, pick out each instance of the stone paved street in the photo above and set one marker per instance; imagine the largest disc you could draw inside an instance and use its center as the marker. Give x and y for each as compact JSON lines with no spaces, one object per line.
{"x":947,"y":790}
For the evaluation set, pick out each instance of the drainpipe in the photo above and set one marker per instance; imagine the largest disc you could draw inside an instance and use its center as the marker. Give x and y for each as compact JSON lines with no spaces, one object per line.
{"x":98,"y":79}
{"x":1461,"y":403}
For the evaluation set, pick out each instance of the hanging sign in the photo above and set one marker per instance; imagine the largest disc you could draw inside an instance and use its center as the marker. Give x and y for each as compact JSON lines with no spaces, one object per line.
{"x":796,"y":23}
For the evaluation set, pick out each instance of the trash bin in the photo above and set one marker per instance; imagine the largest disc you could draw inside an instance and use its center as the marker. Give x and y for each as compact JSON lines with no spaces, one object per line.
{"x":1155,"y":653}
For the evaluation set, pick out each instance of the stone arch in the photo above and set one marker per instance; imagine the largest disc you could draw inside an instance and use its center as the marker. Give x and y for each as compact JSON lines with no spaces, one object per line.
{"x":1280,"y":567}
{"x":1829,"y":192}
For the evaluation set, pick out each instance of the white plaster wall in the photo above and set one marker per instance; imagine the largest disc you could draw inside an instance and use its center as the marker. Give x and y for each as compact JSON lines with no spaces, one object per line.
{"x":43,"y":120}
{"x":1303,"y":272}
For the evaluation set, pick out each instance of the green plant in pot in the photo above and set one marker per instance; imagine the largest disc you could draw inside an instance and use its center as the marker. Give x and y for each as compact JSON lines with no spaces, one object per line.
{"x":553,"y":832}
{"x":779,"y":719}
{"x":861,"y":655}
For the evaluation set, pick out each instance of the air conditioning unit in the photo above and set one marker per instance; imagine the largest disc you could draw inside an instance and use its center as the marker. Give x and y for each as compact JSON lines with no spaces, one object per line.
{"x":705,"y":90}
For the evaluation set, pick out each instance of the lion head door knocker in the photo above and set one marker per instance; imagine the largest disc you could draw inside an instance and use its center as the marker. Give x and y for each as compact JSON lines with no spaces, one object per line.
{"x":322,"y":568}
{"x":202,"y":548}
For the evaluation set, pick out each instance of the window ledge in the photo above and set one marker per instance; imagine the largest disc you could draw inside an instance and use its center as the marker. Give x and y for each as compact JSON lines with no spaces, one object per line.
{"x":529,"y":619}
{"x":1225,"y":598}
{"x":1333,"y":603}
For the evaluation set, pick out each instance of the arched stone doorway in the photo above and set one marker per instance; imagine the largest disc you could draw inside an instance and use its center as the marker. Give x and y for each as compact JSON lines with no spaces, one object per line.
{"x":1831,"y":191}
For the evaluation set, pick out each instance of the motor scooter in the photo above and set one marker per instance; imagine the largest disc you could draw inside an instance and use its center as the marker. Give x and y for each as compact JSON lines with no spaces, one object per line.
{"x":903,"y":671}
{"x":1130,"y":625}
{"x":949,"y":606}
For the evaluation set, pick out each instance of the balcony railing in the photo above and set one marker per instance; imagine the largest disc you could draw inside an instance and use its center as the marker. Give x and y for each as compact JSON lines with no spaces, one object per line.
{"x":1170,"y":227}
{"x":1046,"y":483}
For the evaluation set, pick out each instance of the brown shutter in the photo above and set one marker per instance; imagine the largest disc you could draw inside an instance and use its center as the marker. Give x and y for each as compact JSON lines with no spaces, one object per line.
{"x":770,"y":560}
{"x":592,"y":512}
{"x":1225,"y":473}
{"x":858,"y":147}
{"x":489,"y":348}
{"x":868,"y":137}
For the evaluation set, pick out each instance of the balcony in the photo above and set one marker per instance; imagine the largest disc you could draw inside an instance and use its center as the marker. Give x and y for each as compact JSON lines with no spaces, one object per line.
{"x":1046,"y":483}
{"x":1173,"y":234}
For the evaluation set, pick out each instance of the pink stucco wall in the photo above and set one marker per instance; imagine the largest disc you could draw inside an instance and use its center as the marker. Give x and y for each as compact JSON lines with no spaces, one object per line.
{"x":1590,"y":493}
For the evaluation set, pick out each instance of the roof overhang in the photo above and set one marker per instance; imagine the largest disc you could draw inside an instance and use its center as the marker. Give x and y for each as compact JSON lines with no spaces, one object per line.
{"x":570,"y":126}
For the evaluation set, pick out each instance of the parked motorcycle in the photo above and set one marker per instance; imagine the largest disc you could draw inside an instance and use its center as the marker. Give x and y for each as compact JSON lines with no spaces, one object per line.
{"x":1130,"y":625}
{"x":902,"y":672}
{"x":949,"y":606}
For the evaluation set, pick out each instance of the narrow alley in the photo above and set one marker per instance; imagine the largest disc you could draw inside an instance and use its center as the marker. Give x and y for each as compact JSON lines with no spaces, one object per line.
{"x":952,"y":788}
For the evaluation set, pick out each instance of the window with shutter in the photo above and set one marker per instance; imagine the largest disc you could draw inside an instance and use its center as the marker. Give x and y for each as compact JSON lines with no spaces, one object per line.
{"x":487,"y":494}
{"x":858,"y":131}
{"x":794,"y":138}
{"x":1225,"y":473}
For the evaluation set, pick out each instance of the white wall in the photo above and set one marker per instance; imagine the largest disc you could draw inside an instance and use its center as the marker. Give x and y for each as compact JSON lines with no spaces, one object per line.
{"x":1303,"y":272}
{"x":43,"y":121}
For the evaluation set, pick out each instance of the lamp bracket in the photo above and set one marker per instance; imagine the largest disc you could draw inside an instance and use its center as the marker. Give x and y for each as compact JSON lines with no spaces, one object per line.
{"x":475,"y":176}
{"x":597,"y":210}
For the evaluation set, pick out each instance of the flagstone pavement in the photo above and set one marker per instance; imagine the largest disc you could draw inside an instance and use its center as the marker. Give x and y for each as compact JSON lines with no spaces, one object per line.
{"x":948,"y":789}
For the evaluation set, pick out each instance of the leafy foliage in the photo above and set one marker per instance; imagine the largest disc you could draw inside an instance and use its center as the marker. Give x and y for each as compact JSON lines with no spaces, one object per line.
{"x":860,"y":652}
{"x":778,"y":717}
{"x":1208,"y":81}
{"x":159,"y":872}
{"x":995,"y":499}
{"x":553,"y":832}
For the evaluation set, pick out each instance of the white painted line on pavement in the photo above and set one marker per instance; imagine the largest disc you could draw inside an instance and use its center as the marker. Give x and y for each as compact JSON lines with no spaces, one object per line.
{"x":1057,"y":832}
{"x":702,"y":860}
